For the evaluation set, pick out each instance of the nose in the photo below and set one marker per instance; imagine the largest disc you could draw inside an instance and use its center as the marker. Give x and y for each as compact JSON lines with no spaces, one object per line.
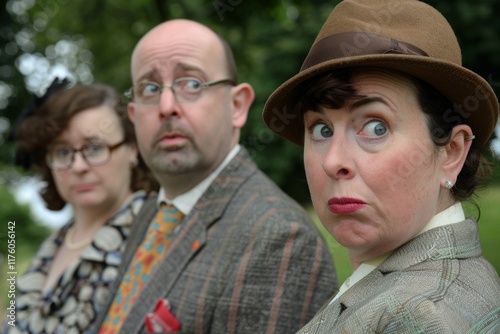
{"x":169,"y":107}
{"x":338,"y":162}
{"x":79,"y":163}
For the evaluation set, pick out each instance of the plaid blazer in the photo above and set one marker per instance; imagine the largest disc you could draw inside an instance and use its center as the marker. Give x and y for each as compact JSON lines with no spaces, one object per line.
{"x":436,"y":283}
{"x":247,"y":259}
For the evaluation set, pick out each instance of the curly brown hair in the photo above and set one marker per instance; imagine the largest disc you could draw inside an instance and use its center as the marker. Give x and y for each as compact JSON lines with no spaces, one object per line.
{"x":48,"y":121}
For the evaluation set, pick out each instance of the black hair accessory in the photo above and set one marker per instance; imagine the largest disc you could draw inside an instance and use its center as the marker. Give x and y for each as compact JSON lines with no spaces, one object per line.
{"x":23,"y":158}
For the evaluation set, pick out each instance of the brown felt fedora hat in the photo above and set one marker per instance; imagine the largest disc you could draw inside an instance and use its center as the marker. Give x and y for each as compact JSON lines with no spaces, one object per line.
{"x":403,"y":35}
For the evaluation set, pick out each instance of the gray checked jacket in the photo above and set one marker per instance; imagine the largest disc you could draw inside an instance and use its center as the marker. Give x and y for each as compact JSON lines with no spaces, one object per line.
{"x":437,"y":283}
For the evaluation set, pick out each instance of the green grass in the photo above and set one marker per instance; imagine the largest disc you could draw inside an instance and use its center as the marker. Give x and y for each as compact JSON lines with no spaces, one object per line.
{"x":489,"y":223}
{"x":339,"y":253}
{"x":489,"y":232}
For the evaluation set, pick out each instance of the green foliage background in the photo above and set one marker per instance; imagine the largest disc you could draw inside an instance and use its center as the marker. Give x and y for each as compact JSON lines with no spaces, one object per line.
{"x":28,"y":234}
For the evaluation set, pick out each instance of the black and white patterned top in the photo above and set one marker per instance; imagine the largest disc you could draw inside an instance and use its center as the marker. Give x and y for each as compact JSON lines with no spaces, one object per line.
{"x":71,"y":306}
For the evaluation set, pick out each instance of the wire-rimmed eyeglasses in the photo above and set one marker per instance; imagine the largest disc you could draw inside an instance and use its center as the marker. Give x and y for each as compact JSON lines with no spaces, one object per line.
{"x":185,"y":90}
{"x":62,"y":156}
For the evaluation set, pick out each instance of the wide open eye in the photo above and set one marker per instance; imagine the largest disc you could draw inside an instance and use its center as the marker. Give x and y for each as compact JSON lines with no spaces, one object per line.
{"x":375,"y":128}
{"x":147,"y":89}
{"x":321,"y":131}
{"x":188,"y":85}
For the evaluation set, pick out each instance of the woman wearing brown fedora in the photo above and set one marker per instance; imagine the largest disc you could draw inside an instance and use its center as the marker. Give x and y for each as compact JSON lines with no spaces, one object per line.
{"x":394,"y":131}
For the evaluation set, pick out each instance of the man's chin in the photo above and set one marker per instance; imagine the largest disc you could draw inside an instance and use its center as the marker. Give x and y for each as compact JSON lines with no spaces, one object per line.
{"x":172,"y":163}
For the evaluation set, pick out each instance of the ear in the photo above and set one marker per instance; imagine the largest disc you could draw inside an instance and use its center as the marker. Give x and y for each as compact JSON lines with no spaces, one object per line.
{"x":456,"y":152}
{"x":131,"y":111}
{"x":242,"y":97}
{"x":135,"y":151}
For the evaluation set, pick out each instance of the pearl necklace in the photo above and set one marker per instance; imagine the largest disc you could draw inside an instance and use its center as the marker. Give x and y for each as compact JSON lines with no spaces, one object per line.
{"x":74,"y":245}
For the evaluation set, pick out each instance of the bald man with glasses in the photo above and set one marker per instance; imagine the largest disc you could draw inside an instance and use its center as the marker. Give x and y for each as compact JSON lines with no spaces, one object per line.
{"x":239,"y":255}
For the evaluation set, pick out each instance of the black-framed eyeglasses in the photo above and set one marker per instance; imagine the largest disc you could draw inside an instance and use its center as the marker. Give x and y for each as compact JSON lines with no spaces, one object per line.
{"x":185,"y":90}
{"x":62,"y":156}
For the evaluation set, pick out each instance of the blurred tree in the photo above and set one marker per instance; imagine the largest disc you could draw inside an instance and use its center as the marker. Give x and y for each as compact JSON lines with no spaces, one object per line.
{"x":11,"y":81}
{"x":28,"y":235}
{"x":478,"y":32}
{"x":270,"y":40}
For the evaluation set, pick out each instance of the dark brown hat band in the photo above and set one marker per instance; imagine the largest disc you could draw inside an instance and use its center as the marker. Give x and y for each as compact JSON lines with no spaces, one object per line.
{"x":352,"y":44}
{"x":390,"y":35}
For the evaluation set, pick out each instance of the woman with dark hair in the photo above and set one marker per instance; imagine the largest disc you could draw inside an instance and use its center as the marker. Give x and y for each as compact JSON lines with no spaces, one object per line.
{"x":81,"y":142}
{"x":395,"y":133}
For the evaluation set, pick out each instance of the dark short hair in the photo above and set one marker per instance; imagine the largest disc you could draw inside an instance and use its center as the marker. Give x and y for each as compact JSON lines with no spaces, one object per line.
{"x":332,"y":89}
{"x":52,"y":118}
{"x":442,"y":117}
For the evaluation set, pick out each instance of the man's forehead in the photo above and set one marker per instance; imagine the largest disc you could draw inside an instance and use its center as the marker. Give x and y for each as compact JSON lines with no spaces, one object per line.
{"x":170,"y":59}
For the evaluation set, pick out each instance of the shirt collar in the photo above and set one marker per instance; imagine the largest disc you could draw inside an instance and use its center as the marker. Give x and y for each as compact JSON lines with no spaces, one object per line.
{"x":185,"y":202}
{"x":364,"y":269}
{"x":452,"y":215}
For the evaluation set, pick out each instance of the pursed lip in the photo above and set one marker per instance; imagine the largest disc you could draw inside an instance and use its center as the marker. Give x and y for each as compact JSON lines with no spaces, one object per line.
{"x":343,"y":205}
{"x":172,"y":139}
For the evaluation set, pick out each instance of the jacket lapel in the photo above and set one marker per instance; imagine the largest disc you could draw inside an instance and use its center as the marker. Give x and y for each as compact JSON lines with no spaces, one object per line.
{"x":190,"y":238}
{"x":459,"y":240}
{"x":324,"y":319}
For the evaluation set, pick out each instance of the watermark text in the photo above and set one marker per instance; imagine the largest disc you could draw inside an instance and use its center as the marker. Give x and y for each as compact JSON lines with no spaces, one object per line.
{"x":11,"y":273}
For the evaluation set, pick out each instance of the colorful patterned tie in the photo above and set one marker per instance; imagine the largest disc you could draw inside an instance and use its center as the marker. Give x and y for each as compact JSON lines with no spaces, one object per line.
{"x":146,"y":258}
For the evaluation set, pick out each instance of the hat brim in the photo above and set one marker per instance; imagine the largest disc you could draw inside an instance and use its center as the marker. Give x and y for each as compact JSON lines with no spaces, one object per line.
{"x":465,"y":89}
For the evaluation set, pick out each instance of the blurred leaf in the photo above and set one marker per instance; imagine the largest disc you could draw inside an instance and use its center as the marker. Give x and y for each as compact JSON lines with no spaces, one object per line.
{"x":28,"y":234}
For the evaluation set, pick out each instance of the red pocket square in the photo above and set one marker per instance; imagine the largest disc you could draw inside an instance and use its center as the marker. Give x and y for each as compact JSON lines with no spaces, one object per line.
{"x":162,"y":320}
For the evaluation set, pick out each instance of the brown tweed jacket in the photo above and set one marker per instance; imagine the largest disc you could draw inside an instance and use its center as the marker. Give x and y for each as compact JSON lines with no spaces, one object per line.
{"x":436,"y":283}
{"x":247,"y":259}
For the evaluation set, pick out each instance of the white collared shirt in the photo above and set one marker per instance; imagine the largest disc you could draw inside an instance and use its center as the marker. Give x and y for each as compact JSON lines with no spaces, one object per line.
{"x":185,"y":202}
{"x":451,"y":215}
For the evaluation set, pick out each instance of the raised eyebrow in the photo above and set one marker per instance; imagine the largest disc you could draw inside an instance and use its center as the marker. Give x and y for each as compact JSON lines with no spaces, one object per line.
{"x":181,"y":68}
{"x":320,"y":110}
{"x":149,"y":76}
{"x":187,"y":67}
{"x":367,"y":100}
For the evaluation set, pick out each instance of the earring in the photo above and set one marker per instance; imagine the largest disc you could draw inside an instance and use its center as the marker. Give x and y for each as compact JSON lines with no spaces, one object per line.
{"x":471,"y":137}
{"x":135,"y":162}
{"x":448,"y":184}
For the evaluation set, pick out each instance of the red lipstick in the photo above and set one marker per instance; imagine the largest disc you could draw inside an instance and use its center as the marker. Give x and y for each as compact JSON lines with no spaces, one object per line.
{"x":345,"y":205}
